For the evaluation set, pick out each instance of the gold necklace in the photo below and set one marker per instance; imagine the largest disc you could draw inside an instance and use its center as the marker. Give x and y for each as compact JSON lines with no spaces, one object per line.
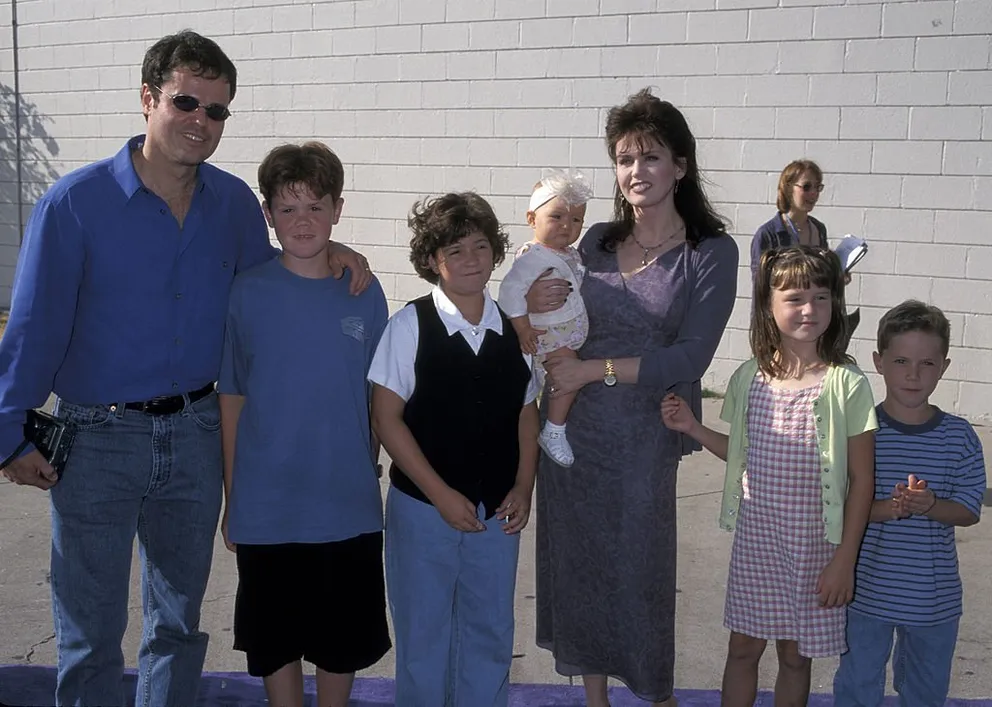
{"x":644,"y":257}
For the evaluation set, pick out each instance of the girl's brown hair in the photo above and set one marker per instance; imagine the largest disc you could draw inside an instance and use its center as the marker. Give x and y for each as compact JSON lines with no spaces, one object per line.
{"x":797,"y":267}
{"x":790,"y":175}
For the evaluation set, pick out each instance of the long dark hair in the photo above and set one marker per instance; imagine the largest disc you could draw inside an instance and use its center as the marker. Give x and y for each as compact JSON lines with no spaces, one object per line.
{"x":799,"y":267}
{"x":642,"y":118}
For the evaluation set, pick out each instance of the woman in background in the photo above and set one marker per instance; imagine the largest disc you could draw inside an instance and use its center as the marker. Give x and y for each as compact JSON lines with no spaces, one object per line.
{"x":799,"y":188}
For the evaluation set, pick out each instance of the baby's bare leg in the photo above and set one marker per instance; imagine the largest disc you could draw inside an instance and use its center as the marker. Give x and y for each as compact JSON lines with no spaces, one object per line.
{"x":558,"y":406}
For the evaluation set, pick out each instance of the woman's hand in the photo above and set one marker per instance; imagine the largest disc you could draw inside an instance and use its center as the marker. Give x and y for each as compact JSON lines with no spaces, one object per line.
{"x":677,"y":415}
{"x":567,"y":375}
{"x":547,"y":295}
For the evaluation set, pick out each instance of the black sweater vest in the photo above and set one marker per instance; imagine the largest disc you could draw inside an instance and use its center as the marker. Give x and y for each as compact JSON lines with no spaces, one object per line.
{"x":465,"y":409}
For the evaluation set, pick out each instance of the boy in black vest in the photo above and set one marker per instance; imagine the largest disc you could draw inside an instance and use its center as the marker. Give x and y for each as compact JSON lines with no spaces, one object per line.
{"x":453,"y":405}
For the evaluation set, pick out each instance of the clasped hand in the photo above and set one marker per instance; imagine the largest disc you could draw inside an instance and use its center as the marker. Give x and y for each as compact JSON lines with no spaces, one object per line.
{"x":912,"y":498}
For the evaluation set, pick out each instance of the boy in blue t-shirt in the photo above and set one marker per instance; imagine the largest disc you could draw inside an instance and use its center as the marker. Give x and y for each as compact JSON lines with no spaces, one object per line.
{"x":303,"y":509}
{"x":929,"y":478}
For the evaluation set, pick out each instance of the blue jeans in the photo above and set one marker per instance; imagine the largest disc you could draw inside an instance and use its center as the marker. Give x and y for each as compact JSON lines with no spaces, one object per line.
{"x":921,"y":663}
{"x":160,"y":477}
{"x":451,"y":599}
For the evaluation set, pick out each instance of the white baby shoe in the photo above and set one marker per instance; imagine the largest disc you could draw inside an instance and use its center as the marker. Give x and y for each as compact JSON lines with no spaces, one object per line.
{"x":555,"y":445}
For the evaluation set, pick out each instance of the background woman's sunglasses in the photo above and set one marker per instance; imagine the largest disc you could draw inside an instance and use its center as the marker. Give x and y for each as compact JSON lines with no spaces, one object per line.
{"x":807,"y":187}
{"x":188,"y":104}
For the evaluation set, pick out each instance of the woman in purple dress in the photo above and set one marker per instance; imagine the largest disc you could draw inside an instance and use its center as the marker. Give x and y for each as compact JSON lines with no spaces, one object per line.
{"x":659,"y":288}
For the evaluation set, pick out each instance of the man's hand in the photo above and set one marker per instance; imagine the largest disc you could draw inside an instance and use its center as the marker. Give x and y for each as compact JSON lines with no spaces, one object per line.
{"x":31,"y":470}
{"x":341,"y":257}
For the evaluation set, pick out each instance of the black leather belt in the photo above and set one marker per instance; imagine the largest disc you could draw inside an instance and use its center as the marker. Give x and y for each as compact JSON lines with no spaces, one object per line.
{"x":170,"y":404}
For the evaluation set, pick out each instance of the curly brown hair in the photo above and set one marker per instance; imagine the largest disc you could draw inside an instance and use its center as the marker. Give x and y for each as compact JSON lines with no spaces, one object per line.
{"x":799,"y":267}
{"x":644,"y":117}
{"x":437,"y":223}
{"x":913,"y":315}
{"x":312,"y":165}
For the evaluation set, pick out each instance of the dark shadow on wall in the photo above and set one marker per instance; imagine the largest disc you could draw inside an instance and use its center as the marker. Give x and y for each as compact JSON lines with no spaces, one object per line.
{"x":20,"y":191}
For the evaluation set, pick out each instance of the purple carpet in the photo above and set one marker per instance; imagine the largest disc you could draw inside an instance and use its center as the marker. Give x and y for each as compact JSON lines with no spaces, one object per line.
{"x":34,"y":686}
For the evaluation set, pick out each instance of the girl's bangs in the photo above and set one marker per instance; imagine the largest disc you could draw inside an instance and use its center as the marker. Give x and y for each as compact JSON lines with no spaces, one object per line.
{"x":799,"y":271}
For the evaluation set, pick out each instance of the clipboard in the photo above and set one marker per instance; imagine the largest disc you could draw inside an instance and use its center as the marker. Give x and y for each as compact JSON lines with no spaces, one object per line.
{"x":851,"y":250}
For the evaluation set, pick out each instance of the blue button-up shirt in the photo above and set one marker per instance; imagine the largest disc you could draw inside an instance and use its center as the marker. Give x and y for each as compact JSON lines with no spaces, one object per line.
{"x":112,"y":300}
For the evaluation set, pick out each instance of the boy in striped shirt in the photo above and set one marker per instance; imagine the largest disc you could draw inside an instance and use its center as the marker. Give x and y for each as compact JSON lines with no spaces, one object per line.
{"x":929,"y":478}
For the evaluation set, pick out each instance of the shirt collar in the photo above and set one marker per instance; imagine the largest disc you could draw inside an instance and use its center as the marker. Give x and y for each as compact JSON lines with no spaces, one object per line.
{"x":129,"y":181}
{"x":453,"y":320}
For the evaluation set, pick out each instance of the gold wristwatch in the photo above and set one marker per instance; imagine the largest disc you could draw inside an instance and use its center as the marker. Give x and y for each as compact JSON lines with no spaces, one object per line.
{"x":610,"y":379}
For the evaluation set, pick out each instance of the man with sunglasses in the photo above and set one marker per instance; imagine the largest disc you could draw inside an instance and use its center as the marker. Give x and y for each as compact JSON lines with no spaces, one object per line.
{"x":119,"y":306}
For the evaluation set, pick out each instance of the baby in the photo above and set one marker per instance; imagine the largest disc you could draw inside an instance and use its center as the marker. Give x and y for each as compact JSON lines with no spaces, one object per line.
{"x":556,"y":212}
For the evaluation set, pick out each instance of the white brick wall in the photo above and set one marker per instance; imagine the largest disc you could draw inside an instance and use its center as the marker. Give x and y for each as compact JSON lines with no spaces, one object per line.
{"x":423,"y":96}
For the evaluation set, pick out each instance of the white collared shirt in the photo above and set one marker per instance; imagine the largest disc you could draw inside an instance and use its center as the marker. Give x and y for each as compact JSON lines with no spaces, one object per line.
{"x":393,"y":364}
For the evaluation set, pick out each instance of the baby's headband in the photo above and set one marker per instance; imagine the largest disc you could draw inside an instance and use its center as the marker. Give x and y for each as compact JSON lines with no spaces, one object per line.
{"x":570,"y":185}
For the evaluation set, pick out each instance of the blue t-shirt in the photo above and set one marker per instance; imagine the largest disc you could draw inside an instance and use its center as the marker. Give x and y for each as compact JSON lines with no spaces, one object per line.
{"x":299,"y":350}
{"x":907,"y":570}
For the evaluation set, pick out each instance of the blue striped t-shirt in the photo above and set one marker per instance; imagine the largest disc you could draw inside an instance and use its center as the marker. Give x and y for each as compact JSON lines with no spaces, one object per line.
{"x":907,"y":570}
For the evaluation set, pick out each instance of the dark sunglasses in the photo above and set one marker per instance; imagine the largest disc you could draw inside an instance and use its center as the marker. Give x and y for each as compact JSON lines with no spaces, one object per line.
{"x":188,"y":104}
{"x":807,"y":187}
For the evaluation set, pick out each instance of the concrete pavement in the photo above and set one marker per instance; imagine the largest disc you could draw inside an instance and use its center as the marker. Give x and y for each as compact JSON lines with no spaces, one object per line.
{"x":26,"y":634}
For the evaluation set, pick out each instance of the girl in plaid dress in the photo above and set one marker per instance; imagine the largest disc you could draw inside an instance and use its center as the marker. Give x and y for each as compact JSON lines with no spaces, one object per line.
{"x":800,"y":479}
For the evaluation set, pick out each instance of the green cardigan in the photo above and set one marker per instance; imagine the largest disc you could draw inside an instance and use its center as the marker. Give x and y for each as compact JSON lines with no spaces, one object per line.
{"x":845,"y":408}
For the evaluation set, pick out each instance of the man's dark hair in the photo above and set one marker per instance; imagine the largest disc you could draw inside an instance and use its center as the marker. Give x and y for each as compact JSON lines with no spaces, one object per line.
{"x":186,"y":50}
{"x":312,"y":165}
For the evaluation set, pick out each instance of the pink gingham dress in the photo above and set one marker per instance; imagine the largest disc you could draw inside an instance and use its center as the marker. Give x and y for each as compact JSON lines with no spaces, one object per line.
{"x":779,"y":548}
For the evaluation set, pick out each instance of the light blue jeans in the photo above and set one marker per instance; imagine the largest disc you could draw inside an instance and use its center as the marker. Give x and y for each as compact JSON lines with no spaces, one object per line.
{"x":921,"y":663}
{"x":451,"y":599}
{"x":160,"y":477}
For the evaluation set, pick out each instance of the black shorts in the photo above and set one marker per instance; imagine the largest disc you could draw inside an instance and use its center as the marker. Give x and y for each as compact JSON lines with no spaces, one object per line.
{"x":324,"y":603}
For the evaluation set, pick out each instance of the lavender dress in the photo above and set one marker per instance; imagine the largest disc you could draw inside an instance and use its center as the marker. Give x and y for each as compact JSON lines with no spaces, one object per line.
{"x":606,"y":527}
